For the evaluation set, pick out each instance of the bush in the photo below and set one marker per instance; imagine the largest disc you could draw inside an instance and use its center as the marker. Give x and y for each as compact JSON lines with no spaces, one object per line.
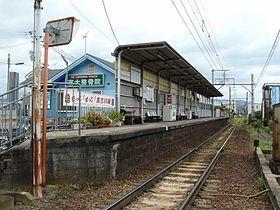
{"x":258,"y":115}
{"x":92,"y":118}
{"x":115,"y":116}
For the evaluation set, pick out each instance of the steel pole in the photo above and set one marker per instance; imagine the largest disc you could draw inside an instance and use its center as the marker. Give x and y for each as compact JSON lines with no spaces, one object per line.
{"x":37,"y":174}
{"x":45,"y":102}
{"x":8,"y":75}
{"x":246,"y":110}
{"x":229,"y":100}
{"x":213,"y":110}
{"x":252,"y":96}
{"x":119,"y":82}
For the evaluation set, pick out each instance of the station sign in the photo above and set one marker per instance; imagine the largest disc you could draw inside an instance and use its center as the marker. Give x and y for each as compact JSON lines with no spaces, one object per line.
{"x":91,"y":80}
{"x":87,"y":99}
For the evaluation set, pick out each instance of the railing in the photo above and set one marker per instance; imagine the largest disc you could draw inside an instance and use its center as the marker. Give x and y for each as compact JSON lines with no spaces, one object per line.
{"x":63,"y":114}
{"x":15,"y":121}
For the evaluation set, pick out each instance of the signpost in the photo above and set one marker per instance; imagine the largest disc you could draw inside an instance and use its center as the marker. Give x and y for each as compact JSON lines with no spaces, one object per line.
{"x":57,"y":32}
{"x":92,"y":80}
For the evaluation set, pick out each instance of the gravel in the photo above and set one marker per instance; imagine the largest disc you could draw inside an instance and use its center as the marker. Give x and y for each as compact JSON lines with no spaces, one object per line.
{"x":236,"y":174}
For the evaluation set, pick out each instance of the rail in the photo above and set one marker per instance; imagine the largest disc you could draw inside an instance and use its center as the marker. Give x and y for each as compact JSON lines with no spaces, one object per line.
{"x":195,"y":190}
{"x":125,"y":200}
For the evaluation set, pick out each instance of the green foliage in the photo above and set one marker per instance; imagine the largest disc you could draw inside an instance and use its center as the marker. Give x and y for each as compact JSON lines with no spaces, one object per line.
{"x":253,"y":130}
{"x":92,"y":118}
{"x":258,"y":115}
{"x":260,"y":182}
{"x":115,"y":116}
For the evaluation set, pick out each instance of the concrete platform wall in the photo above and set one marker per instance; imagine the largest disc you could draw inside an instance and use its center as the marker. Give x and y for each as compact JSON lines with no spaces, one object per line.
{"x":107,"y":155}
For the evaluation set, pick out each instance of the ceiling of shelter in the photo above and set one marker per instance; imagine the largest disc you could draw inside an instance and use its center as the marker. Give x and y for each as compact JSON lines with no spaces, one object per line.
{"x":162,"y":59}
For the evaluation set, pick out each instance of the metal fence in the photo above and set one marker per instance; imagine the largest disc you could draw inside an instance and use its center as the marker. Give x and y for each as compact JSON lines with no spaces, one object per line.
{"x":15,"y":122}
{"x":63,"y":114}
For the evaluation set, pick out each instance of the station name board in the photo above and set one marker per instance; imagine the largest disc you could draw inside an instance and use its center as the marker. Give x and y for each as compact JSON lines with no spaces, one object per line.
{"x":92,"y":80}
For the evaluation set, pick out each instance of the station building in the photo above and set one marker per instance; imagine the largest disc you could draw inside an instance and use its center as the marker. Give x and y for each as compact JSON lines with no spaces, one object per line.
{"x":151,"y":76}
{"x":161,"y":75}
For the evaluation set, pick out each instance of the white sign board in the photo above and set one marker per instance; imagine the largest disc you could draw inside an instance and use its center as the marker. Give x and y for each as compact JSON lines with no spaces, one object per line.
{"x":149,"y":94}
{"x":71,"y":98}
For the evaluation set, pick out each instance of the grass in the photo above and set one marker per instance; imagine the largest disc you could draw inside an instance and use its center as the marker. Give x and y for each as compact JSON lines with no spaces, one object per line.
{"x":264,"y":144}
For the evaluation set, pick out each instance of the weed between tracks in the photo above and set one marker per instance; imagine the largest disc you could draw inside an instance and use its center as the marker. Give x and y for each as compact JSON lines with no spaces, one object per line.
{"x":258,"y":131}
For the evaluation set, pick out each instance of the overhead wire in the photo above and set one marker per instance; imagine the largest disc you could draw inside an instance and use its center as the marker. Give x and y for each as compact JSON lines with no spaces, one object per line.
{"x":198,"y":34}
{"x":61,"y":52}
{"x":191,"y":33}
{"x":113,"y":32}
{"x":89,"y":21}
{"x":275,"y":43}
{"x":207,"y":35}
{"x":213,"y":34}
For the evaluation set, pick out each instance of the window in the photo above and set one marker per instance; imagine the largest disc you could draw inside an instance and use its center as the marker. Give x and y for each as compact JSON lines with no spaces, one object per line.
{"x":91,"y":68}
{"x":135,"y":75}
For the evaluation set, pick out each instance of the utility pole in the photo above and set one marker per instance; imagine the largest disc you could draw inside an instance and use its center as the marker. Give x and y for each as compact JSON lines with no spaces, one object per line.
{"x":252,"y":96}
{"x":85,"y":38}
{"x":213,"y":110}
{"x":246,"y":109}
{"x":8,"y":74}
{"x":37,"y":159}
{"x":229,"y":100}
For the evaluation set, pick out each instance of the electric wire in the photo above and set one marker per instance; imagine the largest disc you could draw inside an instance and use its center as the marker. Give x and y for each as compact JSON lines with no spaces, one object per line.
{"x":191,"y":33}
{"x":110,"y":22}
{"x":66,"y":55}
{"x":198,"y":34}
{"x":275,"y":43}
{"x":207,"y":35}
{"x":89,"y":21}
{"x":213,"y":34}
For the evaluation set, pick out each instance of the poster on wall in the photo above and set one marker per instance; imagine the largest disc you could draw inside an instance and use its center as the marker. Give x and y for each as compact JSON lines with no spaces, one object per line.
{"x":71,"y":97}
{"x":149,"y":94}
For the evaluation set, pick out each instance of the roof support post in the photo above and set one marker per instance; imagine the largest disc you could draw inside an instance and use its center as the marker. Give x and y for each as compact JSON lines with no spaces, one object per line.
{"x":142,"y":95}
{"x":158,"y":93}
{"x":119,"y":82}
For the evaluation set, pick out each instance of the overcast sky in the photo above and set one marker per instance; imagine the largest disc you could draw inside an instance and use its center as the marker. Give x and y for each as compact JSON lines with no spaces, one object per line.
{"x":244,"y":30}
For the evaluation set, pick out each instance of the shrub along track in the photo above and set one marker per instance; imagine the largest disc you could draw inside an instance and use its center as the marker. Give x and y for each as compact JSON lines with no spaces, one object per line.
{"x":234,"y":178}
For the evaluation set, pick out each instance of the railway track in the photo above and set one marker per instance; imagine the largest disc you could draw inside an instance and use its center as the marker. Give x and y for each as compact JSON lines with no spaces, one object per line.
{"x":177,"y":186}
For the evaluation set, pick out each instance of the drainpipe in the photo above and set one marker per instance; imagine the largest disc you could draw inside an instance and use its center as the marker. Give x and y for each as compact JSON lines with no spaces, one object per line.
{"x":119,"y":82}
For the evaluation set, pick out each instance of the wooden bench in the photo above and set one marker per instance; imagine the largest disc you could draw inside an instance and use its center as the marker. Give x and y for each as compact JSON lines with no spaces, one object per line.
{"x":151,"y":116}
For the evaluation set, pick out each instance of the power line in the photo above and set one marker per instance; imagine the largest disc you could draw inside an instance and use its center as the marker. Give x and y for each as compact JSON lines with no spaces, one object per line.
{"x":89,"y":21}
{"x":213,"y":34}
{"x":191,"y":32}
{"x":110,"y":22}
{"x":275,"y":43}
{"x":198,"y":34}
{"x":61,"y":52}
{"x":207,"y":36}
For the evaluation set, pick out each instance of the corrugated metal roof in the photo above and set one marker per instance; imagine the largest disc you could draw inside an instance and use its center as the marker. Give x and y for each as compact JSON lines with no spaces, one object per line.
{"x":161,"y":58}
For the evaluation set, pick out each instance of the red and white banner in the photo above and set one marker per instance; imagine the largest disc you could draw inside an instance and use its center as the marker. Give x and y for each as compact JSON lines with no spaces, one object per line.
{"x":71,"y":98}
